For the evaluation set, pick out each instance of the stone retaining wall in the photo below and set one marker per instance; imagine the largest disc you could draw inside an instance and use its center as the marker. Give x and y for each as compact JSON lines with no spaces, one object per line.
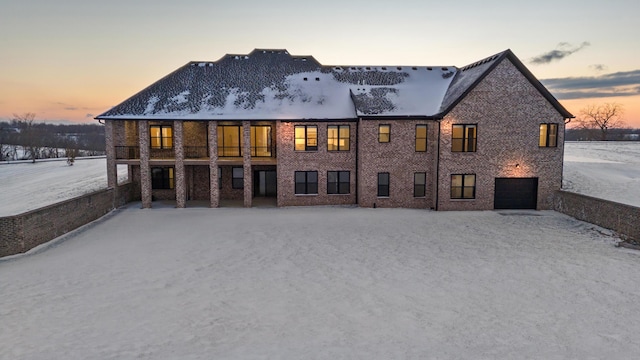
{"x":621,"y":218}
{"x":20,"y":233}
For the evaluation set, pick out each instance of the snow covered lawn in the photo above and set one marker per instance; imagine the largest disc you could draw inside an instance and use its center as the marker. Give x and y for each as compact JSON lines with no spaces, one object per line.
{"x":323,"y":283}
{"x":604,"y":169}
{"x":27,"y":186}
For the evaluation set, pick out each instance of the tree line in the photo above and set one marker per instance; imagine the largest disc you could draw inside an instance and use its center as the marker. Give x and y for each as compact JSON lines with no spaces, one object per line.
{"x":24,"y":138}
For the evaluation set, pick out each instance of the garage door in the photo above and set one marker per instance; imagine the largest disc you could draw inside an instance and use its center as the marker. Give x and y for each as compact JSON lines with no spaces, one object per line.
{"x":516,"y":193}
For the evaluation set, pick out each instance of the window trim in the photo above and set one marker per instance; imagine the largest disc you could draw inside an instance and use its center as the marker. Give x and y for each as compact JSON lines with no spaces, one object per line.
{"x":388,"y":140}
{"x":426,"y":135}
{"x":234,"y":178}
{"x":339,"y":184}
{"x":381,"y":194}
{"x":306,"y":183}
{"x":167,"y":180}
{"x":161,"y":138}
{"x":422,"y":186}
{"x":548,"y":135}
{"x":307,"y":147}
{"x":338,"y":128}
{"x":463,"y":187}
{"x":465,"y":138}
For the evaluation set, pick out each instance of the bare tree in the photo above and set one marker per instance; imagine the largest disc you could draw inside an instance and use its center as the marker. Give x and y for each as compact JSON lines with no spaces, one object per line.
{"x":602,"y":118}
{"x":31,"y":135}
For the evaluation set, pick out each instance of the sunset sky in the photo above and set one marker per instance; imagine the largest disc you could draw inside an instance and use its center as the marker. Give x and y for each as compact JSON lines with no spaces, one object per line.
{"x":71,"y":60}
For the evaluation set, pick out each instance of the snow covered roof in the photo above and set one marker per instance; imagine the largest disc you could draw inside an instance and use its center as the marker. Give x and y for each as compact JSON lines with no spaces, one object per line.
{"x":272,"y":84}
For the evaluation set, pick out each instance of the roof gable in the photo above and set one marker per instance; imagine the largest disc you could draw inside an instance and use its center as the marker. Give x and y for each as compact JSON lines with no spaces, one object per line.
{"x":468,"y":77}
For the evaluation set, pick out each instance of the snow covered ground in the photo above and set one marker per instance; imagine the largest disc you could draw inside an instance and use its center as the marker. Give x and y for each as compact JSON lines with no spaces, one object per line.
{"x":607,"y":170}
{"x":323,"y":283}
{"x":27,"y":186}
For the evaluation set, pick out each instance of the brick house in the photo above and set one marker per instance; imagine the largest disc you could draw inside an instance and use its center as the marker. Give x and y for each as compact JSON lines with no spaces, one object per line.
{"x":269,"y":124}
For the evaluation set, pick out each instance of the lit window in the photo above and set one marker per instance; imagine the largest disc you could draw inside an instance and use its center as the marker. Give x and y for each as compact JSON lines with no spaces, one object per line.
{"x":383,"y":184}
{"x":229,"y":143}
{"x":548,"y":135}
{"x":337,"y":182}
{"x":162,"y":178}
{"x":338,"y":137}
{"x":419,"y":184}
{"x":463,"y":186}
{"x":384,"y":133}
{"x":261,"y":140}
{"x":237,"y":178}
{"x":463,"y":138}
{"x":306,"y":138}
{"x":161,"y":136}
{"x":421,"y":137}
{"x":306,"y":182}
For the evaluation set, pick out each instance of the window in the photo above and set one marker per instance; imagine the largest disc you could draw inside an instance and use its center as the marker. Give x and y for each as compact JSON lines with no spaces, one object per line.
{"x":261,"y":140}
{"x":463,"y":138}
{"x":419,"y":184}
{"x":338,"y":137}
{"x":161,"y":136}
{"x":384,"y":133}
{"x":306,"y":138}
{"x":383,"y":184}
{"x":162,"y":178}
{"x":463,"y":186}
{"x":229,"y":143}
{"x":337,"y":182}
{"x":237,"y":178}
{"x":421,"y":137}
{"x":548,"y":135}
{"x":306,"y":182}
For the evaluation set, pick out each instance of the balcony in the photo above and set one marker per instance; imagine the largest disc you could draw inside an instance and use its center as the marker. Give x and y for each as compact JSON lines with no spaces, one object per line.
{"x":127,"y":152}
{"x":162,"y":153}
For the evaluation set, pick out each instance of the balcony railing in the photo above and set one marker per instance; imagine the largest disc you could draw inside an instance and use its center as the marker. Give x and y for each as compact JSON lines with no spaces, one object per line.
{"x":127,"y":152}
{"x":262,"y":151}
{"x":195,"y":152}
{"x":162,"y":153}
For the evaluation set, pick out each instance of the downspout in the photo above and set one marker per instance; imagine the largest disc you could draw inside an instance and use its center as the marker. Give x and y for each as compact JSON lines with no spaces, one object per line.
{"x":357,"y":160}
{"x":438,"y":169}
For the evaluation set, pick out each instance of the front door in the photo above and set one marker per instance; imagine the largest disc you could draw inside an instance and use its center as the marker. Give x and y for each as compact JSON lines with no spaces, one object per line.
{"x":265,"y":183}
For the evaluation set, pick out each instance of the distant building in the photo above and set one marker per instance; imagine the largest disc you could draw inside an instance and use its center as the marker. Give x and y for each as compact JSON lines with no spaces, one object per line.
{"x":270,"y":124}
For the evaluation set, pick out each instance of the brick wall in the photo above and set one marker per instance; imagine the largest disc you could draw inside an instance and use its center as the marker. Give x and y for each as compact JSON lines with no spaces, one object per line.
{"x":19,"y":233}
{"x":290,"y":161}
{"x":608,"y":214}
{"x":508,"y":111}
{"x":399,"y":158}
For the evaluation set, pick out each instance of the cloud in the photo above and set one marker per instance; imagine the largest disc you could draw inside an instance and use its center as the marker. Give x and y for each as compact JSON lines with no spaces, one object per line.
{"x":561,"y":51}
{"x":71,"y":108}
{"x":598,"y":67}
{"x":608,"y":85}
{"x":89,"y":116}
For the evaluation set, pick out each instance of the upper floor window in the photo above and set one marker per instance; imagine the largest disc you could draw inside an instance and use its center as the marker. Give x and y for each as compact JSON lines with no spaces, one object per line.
{"x":306,"y":138}
{"x":162,"y":178}
{"x":463,"y":186}
{"x":548,"y":135}
{"x":383,"y":184}
{"x":384,"y":133}
{"x":338,"y":137}
{"x":421,"y":137}
{"x":306,"y":182}
{"x":229,"y":143}
{"x":463,"y":138}
{"x":337,"y":182}
{"x":161,"y":136}
{"x":261,"y":140}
